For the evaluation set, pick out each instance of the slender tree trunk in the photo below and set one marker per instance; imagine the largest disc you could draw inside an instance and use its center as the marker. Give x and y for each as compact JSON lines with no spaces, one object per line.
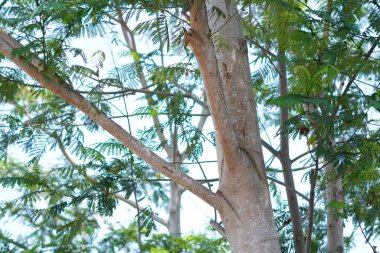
{"x":295,"y":215}
{"x":174,"y":221}
{"x":334,"y":192}
{"x":248,"y":217}
{"x":334,"y":189}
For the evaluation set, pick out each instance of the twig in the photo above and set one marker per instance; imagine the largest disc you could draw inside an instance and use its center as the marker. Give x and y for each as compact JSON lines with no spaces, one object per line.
{"x":135,"y":205}
{"x":367,"y":240}
{"x":366,"y":57}
{"x":289,"y":187}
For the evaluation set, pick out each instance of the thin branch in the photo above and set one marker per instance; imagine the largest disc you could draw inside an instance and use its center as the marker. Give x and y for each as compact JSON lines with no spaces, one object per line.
{"x":135,"y":205}
{"x":367,"y":240}
{"x":366,"y":57}
{"x":301,"y":155}
{"x":191,"y":95}
{"x":131,"y":165}
{"x":274,"y":152}
{"x":313,"y":178}
{"x":132,"y":91}
{"x":129,"y":37}
{"x":218,"y":228}
{"x":289,"y":187}
{"x":61,"y":147}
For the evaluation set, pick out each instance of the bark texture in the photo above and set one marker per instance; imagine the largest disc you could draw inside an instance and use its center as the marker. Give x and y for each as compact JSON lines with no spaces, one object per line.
{"x":219,"y":45}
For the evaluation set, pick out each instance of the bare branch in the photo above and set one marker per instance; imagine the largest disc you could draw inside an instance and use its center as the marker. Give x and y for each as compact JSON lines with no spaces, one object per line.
{"x":270,"y":149}
{"x":134,"y":205}
{"x":301,"y":155}
{"x":289,"y":187}
{"x":191,"y":95}
{"x":366,"y":57}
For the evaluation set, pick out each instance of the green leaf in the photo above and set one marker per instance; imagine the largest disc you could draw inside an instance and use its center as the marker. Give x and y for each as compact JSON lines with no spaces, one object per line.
{"x":336,"y":204}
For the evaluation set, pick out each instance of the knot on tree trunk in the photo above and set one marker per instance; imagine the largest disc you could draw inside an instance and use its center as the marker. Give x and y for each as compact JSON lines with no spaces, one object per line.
{"x":194,"y":41}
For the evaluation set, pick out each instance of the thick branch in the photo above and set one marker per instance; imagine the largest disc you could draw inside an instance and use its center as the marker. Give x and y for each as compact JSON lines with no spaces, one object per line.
{"x":60,"y":88}
{"x":199,"y":40}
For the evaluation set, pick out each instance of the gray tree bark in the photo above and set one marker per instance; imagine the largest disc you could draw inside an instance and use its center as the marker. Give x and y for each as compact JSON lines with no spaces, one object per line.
{"x":219,"y":45}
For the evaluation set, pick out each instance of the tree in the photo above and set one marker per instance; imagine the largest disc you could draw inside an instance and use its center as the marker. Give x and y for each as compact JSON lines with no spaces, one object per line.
{"x":309,"y":66}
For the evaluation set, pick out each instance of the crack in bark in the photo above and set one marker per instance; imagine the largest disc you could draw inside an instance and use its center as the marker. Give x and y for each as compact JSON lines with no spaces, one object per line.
{"x":219,"y":192}
{"x":255,"y":167}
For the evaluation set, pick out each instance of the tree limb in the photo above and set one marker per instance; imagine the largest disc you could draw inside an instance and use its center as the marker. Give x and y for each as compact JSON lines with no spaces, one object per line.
{"x":60,"y":88}
{"x":366,"y":57}
{"x":199,"y":41}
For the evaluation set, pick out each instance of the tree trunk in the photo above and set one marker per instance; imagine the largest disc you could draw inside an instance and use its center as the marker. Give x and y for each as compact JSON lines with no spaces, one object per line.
{"x":295,"y":215}
{"x":334,"y":189}
{"x":334,"y":192}
{"x":223,"y":61}
{"x":174,"y":221}
{"x":243,"y":199}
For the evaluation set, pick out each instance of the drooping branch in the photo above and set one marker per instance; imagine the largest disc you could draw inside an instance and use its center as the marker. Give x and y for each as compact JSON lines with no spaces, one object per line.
{"x":60,"y":88}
